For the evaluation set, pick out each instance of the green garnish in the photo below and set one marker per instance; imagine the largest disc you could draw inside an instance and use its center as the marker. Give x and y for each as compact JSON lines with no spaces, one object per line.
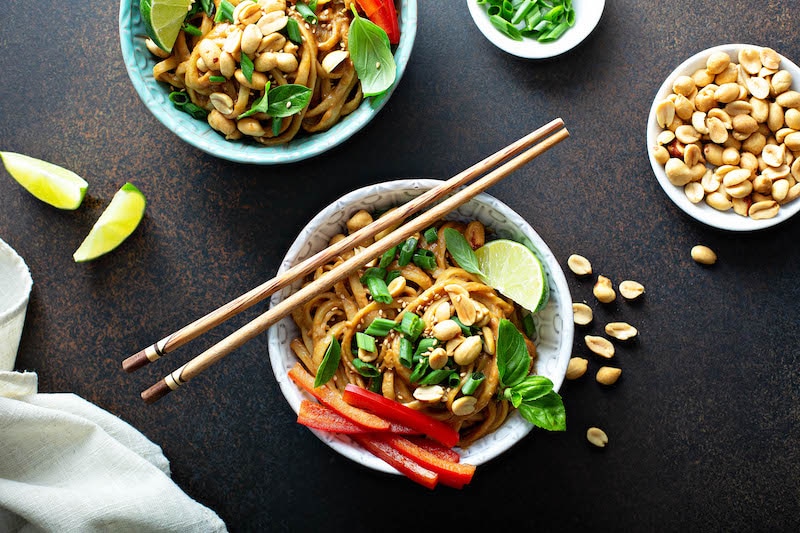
{"x":378,"y":290}
{"x":406,"y":352}
{"x":380,"y":327}
{"x":192,"y":29}
{"x":282,"y":101}
{"x":407,"y":251}
{"x":424,"y":259}
{"x":330,"y":362}
{"x":247,"y":67}
{"x":461,"y":251}
{"x":430,"y":235}
{"x":388,"y":257}
{"x":391,"y":275}
{"x":365,"y":342}
{"x":542,"y":20}
{"x":225,"y":12}
{"x":293,"y":31}
{"x":419,"y":371}
{"x":533,"y":395}
{"x":473,"y":382}
{"x":371,"y":54}
{"x":307,"y":12}
{"x":217,"y":79}
{"x":411,"y":326}
{"x":437,"y":376}
{"x":425,"y":344}
{"x":182,"y":101}
{"x":367,"y":370}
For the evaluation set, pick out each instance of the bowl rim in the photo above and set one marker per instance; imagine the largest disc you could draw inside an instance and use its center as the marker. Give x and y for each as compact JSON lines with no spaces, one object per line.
{"x":727,"y":220}
{"x":530,"y":49}
{"x":153,"y":95}
{"x":18,"y":269}
{"x":520,"y":428}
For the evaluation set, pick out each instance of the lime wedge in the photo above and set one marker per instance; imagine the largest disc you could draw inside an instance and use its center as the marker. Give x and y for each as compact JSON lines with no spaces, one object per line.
{"x":163,"y":19}
{"x":49,"y":183}
{"x":512,"y":269}
{"x":115,"y":224}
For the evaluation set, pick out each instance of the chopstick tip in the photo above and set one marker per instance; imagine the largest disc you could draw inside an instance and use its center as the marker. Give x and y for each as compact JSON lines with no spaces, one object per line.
{"x":135,"y":362}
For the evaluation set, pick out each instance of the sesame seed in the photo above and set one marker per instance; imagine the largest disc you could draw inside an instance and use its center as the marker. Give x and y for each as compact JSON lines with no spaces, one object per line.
{"x":377,"y":64}
{"x":288,"y":105}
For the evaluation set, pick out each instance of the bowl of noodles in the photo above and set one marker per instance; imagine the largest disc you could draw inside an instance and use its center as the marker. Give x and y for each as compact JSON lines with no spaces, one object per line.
{"x":490,"y":430}
{"x":170,"y":83}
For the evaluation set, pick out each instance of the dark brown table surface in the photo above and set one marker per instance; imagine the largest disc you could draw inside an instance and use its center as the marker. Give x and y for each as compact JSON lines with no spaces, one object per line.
{"x":703,"y":424}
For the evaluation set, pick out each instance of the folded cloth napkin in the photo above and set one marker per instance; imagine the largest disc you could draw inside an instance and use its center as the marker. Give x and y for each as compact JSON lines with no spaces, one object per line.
{"x":67,"y":465}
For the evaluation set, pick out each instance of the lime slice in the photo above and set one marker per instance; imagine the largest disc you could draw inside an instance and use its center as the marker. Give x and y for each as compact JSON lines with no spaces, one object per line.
{"x":49,"y":183}
{"x":163,"y":19}
{"x":512,"y":269}
{"x":115,"y":224}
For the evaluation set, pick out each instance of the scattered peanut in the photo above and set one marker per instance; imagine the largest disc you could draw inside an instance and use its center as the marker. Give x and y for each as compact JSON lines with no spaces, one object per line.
{"x":464,"y":406}
{"x":740,"y":116}
{"x":597,"y":437}
{"x":600,"y":345}
{"x":621,"y":330}
{"x":607,"y":375}
{"x":704,"y":255}
{"x":603,"y":290}
{"x":581,"y":313}
{"x":631,"y":290}
{"x":577,"y":367}
{"x":579,"y":265}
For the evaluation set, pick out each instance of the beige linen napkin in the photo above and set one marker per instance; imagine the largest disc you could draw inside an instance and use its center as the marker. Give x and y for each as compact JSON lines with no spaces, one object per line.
{"x":67,"y":465}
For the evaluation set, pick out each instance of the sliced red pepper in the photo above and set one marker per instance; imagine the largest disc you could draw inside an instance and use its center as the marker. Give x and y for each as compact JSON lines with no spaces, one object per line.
{"x":451,"y":474}
{"x":397,"y":412}
{"x":436,"y":448}
{"x":384,"y":15}
{"x":330,"y":398}
{"x":317,"y":416}
{"x":412,"y":470}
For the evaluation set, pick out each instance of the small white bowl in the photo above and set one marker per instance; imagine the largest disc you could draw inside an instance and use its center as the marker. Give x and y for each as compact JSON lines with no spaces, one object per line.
{"x":587,"y":16}
{"x":15,"y":289}
{"x":554,"y":322}
{"x":726,"y":220}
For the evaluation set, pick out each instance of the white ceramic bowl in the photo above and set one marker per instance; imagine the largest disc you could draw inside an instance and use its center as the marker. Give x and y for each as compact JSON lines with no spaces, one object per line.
{"x":139,"y":63}
{"x":726,"y":220}
{"x":15,"y":289}
{"x":587,"y":16}
{"x":554,"y":322}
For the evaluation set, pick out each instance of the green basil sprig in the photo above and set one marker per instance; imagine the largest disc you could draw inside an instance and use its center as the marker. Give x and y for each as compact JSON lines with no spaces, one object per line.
{"x":330,"y":362}
{"x":282,"y":101}
{"x":533,"y":395}
{"x":461,"y":251}
{"x":371,"y":54}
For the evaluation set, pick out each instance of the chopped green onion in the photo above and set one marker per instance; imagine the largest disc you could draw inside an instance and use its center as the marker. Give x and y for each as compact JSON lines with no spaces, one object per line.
{"x":293,"y":31}
{"x":437,"y":376}
{"x":453,"y":380}
{"x":217,"y":79}
{"x":373,"y":272}
{"x":419,"y":370}
{"x":378,"y":290}
{"x":224,"y":12}
{"x":522,"y":11}
{"x":380,"y":327}
{"x":505,"y":27}
{"x":247,"y":67}
{"x":182,"y":102}
{"x":192,"y":30}
{"x":391,"y":275}
{"x":430,"y":235}
{"x":376,"y":383}
{"x":406,"y":352}
{"x":367,"y":370}
{"x":407,"y":251}
{"x":312,"y":4}
{"x":543,"y":20}
{"x":411,"y":326}
{"x":465,"y":330}
{"x":425,"y":344}
{"x":306,"y":12}
{"x":365,"y":342}
{"x":208,"y":7}
{"x":387,"y":257}
{"x":424,"y":261}
{"x":473,"y":382}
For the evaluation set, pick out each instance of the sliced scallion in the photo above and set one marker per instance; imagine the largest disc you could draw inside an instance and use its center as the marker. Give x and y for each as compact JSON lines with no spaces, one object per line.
{"x":368,"y":370}
{"x":365,"y":342}
{"x":293,"y":31}
{"x":306,"y":12}
{"x":472,"y":383}
{"x":411,"y":326}
{"x":247,"y":67}
{"x":407,"y":251}
{"x":406,"y":352}
{"x":378,"y":290}
{"x":217,"y":79}
{"x":224,"y":12}
{"x":431,"y":235}
{"x":380,"y":327}
{"x":388,"y":257}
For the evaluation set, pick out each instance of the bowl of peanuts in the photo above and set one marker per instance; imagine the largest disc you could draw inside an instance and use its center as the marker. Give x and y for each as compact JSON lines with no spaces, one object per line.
{"x":723,"y":137}
{"x":554,"y":326}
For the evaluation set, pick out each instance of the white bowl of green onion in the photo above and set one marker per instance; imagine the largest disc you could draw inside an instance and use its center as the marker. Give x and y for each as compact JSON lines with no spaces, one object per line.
{"x":536,"y":29}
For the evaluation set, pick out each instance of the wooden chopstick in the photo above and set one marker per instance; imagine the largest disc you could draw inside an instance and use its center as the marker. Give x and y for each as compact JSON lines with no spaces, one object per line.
{"x":257,"y":326}
{"x":202,"y":325}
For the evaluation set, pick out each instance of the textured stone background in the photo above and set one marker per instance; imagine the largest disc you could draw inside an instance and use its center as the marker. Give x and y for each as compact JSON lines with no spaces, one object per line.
{"x":703,"y":424}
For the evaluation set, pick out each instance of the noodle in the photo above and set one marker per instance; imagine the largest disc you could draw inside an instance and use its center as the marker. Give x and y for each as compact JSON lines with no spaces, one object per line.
{"x":435,"y":295}
{"x":277,"y":61}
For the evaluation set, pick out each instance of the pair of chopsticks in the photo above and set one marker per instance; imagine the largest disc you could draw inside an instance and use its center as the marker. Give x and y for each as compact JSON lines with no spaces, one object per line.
{"x":547,"y":136}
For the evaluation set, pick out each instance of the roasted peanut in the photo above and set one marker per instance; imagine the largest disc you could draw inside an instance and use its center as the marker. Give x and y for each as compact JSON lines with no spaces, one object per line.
{"x":577,"y":367}
{"x":704,"y":255}
{"x":581,"y":313}
{"x":579,"y":265}
{"x":603,"y":290}
{"x":597,"y":437}
{"x":599,"y":345}
{"x":621,"y":330}
{"x":630,"y":290}
{"x":608,"y":375}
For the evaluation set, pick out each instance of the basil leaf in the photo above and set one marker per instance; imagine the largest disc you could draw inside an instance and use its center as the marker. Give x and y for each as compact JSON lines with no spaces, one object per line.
{"x":330,"y":362}
{"x":287,"y":100}
{"x":513,"y":359}
{"x":367,"y":370}
{"x":292,"y":30}
{"x":371,"y":55}
{"x":533,"y":387}
{"x":546,"y":412}
{"x":260,"y":105}
{"x":461,"y":251}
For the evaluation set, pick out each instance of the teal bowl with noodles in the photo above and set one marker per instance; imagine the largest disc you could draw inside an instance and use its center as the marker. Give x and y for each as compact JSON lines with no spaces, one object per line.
{"x":553,"y":323}
{"x":139,"y":63}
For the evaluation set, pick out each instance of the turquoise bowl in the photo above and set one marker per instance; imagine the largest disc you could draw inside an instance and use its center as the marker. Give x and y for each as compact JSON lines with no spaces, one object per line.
{"x":139,"y":63}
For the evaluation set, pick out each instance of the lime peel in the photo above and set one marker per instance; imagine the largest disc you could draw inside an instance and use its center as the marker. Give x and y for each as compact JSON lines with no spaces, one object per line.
{"x":514,"y":270}
{"x":116,"y":223}
{"x":49,"y":183}
{"x":163,"y":20}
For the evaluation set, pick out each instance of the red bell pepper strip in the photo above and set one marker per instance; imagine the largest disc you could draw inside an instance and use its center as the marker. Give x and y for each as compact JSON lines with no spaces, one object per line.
{"x":440,"y":450}
{"x":452,"y":474}
{"x":397,"y":412}
{"x":383,"y":14}
{"x":330,"y":398}
{"x":317,"y":416}
{"x":412,"y":470}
